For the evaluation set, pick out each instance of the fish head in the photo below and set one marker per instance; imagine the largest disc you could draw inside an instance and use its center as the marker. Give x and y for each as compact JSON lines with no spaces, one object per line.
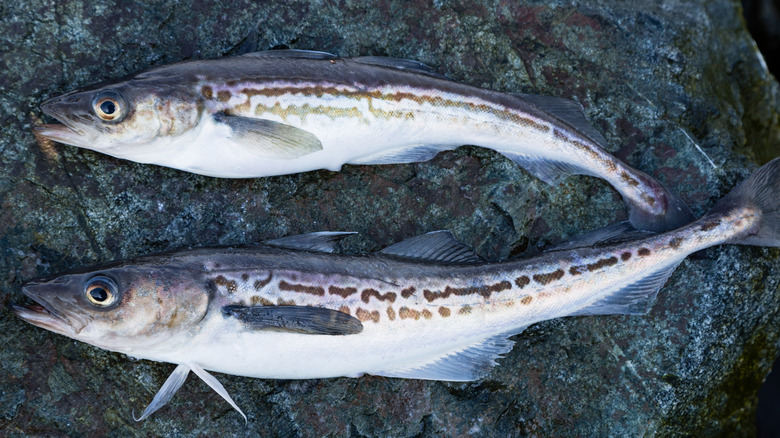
{"x":120,"y":309}
{"x":121,"y":119}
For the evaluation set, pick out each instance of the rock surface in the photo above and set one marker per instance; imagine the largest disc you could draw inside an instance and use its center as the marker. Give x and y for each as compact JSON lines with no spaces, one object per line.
{"x":678,"y":89}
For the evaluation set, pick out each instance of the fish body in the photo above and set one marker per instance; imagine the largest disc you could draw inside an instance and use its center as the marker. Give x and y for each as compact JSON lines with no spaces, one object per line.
{"x":283,"y":112}
{"x":425,"y":308}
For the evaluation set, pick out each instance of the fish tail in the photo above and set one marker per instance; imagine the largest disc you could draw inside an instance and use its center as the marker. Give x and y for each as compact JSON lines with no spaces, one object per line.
{"x":759,"y":192}
{"x":675,"y":213}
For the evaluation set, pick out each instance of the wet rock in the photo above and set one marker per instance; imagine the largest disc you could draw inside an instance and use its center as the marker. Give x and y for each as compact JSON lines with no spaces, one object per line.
{"x":677,"y":89}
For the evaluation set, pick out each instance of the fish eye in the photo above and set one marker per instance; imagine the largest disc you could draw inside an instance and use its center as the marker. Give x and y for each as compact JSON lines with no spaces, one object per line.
{"x":109,"y":106}
{"x":101,"y":291}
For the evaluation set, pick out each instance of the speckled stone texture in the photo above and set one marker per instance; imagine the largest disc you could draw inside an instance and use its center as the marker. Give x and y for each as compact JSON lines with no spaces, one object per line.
{"x":677,"y":88}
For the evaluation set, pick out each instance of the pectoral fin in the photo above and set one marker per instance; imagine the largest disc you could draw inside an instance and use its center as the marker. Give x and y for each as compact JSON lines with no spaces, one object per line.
{"x":297,"y":319}
{"x":269,"y":139}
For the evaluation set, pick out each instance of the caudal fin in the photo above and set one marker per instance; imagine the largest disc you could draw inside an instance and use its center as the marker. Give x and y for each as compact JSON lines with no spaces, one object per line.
{"x":760,"y":191}
{"x":675,"y":212}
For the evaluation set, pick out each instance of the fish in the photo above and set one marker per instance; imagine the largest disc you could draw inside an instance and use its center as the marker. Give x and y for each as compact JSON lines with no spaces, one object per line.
{"x":287,"y":111}
{"x":426,"y":308}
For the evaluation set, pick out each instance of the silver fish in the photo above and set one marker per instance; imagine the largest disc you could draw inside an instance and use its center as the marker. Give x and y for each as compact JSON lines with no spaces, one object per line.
{"x":289,"y":111}
{"x":424,"y":308}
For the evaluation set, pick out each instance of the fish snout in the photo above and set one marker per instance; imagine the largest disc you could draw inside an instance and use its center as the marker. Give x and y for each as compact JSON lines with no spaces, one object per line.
{"x":57,"y":106}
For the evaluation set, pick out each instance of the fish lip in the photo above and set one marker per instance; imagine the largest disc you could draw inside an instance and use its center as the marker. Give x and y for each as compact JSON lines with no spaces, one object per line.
{"x":56,"y":131}
{"x":40,"y":316}
{"x":64,"y":134}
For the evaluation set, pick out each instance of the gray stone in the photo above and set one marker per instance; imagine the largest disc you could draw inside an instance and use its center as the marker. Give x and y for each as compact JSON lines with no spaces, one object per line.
{"x":677,"y":88}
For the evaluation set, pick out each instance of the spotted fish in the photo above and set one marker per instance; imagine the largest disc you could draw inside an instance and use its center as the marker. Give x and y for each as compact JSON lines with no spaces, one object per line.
{"x":424,"y":308}
{"x":288,"y":111}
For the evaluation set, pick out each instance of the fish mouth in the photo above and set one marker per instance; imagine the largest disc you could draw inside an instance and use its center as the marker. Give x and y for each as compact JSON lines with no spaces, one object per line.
{"x":40,"y":316}
{"x":61,"y":134}
{"x":43,"y":312}
{"x":67,"y":131}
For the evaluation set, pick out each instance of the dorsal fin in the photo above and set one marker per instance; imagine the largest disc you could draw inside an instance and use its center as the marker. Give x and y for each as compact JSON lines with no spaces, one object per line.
{"x":291,"y":53}
{"x":610,"y":235}
{"x":438,"y":246}
{"x":634,"y":299}
{"x":322,"y":241}
{"x":400,"y":64}
{"x":567,"y":110}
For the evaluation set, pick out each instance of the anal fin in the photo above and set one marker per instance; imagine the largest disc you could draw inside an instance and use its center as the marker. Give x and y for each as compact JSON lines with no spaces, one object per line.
{"x":471,"y":363}
{"x":406,"y":154}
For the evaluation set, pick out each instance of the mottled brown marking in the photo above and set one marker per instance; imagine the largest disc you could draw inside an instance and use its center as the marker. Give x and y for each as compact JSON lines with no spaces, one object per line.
{"x":398,"y":96}
{"x":345,"y":309}
{"x":548,"y":277}
{"x":426,"y":314}
{"x":407,"y":313}
{"x":675,"y":243}
{"x":223,"y":96}
{"x":368,"y":293}
{"x":625,"y":256}
{"x":444,"y":311}
{"x":408,"y":292}
{"x":610,"y":261}
{"x":261,"y":300}
{"x":283,"y":302}
{"x":628,"y":179}
{"x":710,"y":224}
{"x":643,"y":252}
{"x":230,"y":285}
{"x":365,"y":315}
{"x":343,"y":292}
{"x":391,"y":313}
{"x":526,"y":300}
{"x":259,"y":284}
{"x":465,"y":310}
{"x":484,"y":291}
{"x":207,"y":92}
{"x":576,"y":270}
{"x":245,"y":277}
{"x":302,"y":288}
{"x":522,"y":281}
